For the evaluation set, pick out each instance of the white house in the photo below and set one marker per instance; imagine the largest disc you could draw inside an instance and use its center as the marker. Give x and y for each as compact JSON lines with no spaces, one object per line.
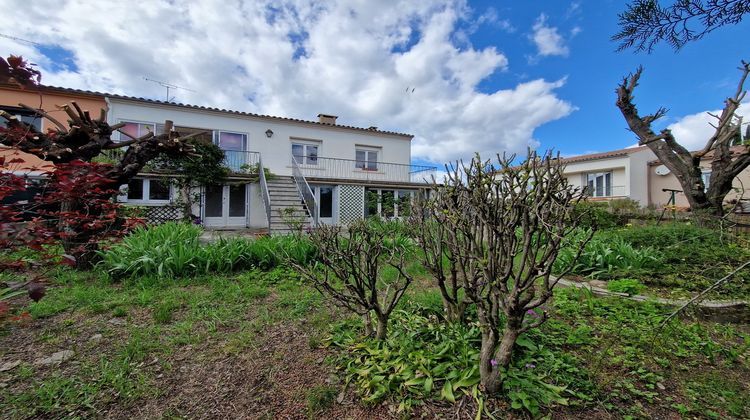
{"x":331,"y":172}
{"x":612,"y":175}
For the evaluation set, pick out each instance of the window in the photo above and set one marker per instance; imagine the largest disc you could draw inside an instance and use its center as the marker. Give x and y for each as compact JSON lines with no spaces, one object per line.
{"x":388,"y":203}
{"x":706,"y":176}
{"x":23,"y":115}
{"x":367,"y":160}
{"x":305,"y":153}
{"x":136,"y":129}
{"x":147,"y":191}
{"x":599,"y":184}
{"x":230,"y":141}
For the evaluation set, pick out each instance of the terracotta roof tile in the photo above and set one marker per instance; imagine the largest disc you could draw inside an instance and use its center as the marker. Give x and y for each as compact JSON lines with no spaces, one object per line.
{"x":228,"y":111}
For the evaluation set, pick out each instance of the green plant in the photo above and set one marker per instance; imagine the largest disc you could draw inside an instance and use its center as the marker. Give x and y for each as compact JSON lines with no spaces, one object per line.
{"x":173,"y":249}
{"x":606,"y":254}
{"x":629,"y":286}
{"x":423,"y":359}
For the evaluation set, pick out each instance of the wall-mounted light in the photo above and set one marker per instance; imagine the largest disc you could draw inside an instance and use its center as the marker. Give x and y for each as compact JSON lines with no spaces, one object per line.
{"x":269,"y":133}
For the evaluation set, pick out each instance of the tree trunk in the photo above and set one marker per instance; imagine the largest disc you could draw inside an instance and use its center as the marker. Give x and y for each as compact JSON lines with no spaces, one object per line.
{"x":488,"y":371}
{"x":367,"y":319}
{"x":382,"y":327}
{"x":493,"y":358}
{"x":454,"y":312}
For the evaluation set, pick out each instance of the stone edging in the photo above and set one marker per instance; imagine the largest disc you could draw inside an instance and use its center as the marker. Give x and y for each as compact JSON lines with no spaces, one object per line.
{"x":715,"y":310}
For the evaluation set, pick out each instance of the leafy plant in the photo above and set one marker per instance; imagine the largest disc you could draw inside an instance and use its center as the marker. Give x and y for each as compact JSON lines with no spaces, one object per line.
{"x":173,"y":249}
{"x":629,"y":286}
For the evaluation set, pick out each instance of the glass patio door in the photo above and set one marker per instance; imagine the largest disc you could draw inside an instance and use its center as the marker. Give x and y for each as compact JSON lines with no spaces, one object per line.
{"x":225,"y":206}
{"x":324,"y":196}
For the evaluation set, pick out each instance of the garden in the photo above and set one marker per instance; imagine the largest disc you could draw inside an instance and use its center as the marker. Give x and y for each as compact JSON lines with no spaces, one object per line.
{"x":388,"y":319}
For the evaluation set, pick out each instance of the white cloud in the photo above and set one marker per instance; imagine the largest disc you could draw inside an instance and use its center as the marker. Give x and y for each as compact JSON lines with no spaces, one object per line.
{"x":298,"y":58}
{"x":692,"y":131}
{"x":547,"y":39}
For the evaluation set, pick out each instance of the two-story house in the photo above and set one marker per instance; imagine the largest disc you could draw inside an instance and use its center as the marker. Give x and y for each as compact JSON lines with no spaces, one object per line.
{"x":328,"y":172}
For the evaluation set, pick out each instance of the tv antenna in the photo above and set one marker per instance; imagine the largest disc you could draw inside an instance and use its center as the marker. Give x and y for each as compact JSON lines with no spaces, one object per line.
{"x":19,"y":39}
{"x":168,"y":86}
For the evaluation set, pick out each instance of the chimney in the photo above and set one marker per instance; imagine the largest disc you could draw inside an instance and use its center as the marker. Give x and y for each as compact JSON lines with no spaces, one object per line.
{"x":327,"y":119}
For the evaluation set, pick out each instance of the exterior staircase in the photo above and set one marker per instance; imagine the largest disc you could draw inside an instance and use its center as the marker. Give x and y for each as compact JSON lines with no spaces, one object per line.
{"x":286,"y":203}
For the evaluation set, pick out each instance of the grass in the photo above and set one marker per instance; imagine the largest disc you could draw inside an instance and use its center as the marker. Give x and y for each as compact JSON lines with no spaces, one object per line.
{"x":594,"y":353}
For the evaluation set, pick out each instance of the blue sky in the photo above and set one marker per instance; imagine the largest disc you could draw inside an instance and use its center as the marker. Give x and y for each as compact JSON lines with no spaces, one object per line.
{"x":695,"y":79}
{"x":462,"y":76}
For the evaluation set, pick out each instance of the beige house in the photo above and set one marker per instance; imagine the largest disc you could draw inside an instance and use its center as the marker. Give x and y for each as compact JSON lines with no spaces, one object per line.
{"x":612,"y":175}
{"x":660,"y":179}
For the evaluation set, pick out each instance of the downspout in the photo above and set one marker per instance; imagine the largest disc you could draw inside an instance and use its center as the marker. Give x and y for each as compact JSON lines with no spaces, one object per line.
{"x":648,"y":184}
{"x":108,"y":104}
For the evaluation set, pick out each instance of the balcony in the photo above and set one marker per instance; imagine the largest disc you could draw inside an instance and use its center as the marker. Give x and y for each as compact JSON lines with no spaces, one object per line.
{"x":350,"y":169}
{"x":606,"y":193}
{"x":241,"y":162}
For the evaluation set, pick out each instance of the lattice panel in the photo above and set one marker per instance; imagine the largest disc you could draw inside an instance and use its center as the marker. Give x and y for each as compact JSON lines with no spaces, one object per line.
{"x":351,"y":203}
{"x":162,"y":214}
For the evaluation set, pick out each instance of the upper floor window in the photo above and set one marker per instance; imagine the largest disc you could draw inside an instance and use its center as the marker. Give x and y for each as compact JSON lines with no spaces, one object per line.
{"x":137,"y":129}
{"x":23,"y":115}
{"x":227,"y":140}
{"x":367,"y":159}
{"x":599,"y":184}
{"x":305,"y":153}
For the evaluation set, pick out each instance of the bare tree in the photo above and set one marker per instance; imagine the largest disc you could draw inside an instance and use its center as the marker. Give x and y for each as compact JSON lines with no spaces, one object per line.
{"x":351,"y":269}
{"x":645,"y":23}
{"x":432,"y":233}
{"x":508,"y":223}
{"x":726,"y":161}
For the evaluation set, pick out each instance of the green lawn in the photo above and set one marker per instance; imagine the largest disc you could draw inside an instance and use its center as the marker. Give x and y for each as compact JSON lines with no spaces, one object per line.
{"x":263,"y":345}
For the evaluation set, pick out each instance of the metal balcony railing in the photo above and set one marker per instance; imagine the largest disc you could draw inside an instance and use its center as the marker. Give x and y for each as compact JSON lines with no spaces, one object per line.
{"x":237,"y":161}
{"x":614,"y":191}
{"x":335,"y":168}
{"x":242,"y":162}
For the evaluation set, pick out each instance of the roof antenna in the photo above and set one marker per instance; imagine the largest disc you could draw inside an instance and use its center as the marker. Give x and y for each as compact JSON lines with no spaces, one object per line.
{"x":168,"y":86}
{"x":19,"y":39}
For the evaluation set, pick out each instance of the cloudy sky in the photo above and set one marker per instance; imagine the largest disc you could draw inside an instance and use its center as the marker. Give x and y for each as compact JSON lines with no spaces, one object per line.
{"x":462,"y":76}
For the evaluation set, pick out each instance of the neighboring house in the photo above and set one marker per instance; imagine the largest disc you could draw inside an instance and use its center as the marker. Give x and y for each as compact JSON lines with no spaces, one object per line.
{"x":612,"y":175}
{"x":49,"y":99}
{"x":660,"y":178}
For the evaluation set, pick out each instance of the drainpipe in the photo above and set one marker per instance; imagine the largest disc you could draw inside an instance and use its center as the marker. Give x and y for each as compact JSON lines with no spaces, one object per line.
{"x":108,"y":103}
{"x":648,"y":184}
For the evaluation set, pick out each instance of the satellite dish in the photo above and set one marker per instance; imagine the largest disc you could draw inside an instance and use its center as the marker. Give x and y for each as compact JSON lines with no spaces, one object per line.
{"x":661,"y":170}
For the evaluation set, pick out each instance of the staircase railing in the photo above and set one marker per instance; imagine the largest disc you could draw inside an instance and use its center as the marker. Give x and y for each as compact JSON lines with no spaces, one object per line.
{"x":264,"y":190}
{"x":307,"y":195}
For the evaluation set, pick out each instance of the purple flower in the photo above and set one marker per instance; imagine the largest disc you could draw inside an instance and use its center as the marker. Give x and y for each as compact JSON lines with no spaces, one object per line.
{"x":530,"y":366}
{"x":493,"y":362}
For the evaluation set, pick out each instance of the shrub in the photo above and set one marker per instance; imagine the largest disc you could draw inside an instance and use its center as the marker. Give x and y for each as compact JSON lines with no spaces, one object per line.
{"x":596,"y":214}
{"x":423,"y":359}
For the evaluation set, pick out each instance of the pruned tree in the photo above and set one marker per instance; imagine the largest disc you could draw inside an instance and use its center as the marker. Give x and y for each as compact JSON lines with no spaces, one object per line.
{"x":81,"y":140}
{"x":432,"y":233}
{"x":726,"y":161}
{"x":351,"y":269}
{"x":508,"y":223}
{"x":645,"y":23}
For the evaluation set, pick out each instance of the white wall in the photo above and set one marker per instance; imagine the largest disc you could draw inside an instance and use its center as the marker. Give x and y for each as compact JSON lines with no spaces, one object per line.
{"x":639,"y":175}
{"x":618,"y":166}
{"x":275,"y":151}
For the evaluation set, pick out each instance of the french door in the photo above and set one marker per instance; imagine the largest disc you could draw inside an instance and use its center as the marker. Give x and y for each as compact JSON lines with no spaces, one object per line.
{"x":324,"y":195}
{"x":225,"y":206}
